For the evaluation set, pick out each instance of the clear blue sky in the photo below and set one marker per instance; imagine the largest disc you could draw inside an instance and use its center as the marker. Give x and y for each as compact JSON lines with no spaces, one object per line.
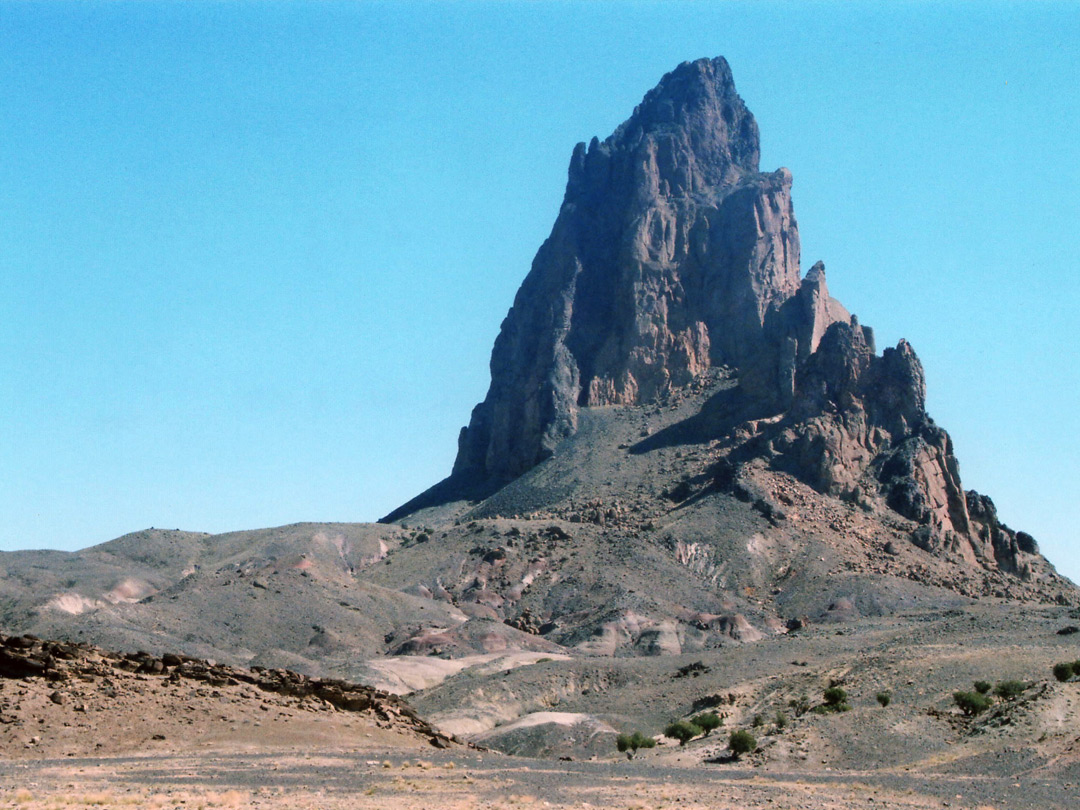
{"x":254,"y":255}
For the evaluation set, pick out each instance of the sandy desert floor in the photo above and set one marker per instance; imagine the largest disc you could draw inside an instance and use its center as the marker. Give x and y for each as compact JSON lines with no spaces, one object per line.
{"x":339,"y":779}
{"x":129,"y":740}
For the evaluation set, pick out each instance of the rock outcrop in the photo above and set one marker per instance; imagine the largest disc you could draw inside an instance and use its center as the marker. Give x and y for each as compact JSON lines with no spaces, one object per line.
{"x":59,"y":662}
{"x":673,"y":255}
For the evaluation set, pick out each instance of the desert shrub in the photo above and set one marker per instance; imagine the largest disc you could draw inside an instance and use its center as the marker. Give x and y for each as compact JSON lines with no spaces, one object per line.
{"x":884,"y":698}
{"x":1009,"y":689}
{"x":835,"y":701}
{"x":1063,"y":671}
{"x":741,"y":742}
{"x":758,"y":722}
{"x":834,"y":696}
{"x":1076,"y":668}
{"x":708,"y":722}
{"x":683,"y":731}
{"x":971,"y":703}
{"x":799,"y":705}
{"x":982,"y":687}
{"x":630,"y":743}
{"x":781,"y":721}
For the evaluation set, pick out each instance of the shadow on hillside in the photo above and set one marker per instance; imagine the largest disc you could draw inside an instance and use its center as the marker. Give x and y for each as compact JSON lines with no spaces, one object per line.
{"x":449,"y":490}
{"x":723,"y":759}
{"x":718,"y":417}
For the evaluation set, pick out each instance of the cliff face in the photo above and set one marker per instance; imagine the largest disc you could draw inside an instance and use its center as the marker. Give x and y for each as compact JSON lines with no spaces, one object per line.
{"x":672,"y":255}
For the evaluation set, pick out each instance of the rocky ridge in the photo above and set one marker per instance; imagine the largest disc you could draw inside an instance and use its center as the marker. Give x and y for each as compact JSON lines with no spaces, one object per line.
{"x":79,"y":678}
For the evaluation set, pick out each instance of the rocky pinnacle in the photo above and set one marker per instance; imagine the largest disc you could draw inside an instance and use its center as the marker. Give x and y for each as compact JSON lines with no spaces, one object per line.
{"x":668,"y":252}
{"x":673,"y":255}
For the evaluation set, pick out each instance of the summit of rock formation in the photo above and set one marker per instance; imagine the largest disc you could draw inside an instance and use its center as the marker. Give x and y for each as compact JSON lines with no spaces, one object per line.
{"x":675,"y":260}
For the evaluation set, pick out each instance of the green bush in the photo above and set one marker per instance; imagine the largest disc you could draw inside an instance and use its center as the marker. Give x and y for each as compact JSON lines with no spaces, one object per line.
{"x":884,"y":698}
{"x":759,"y":721}
{"x":834,"y":696}
{"x":982,"y":687}
{"x":1076,"y":668}
{"x":1009,"y":689}
{"x":781,"y":721}
{"x":835,"y":701}
{"x":971,"y":703}
{"x":630,"y":743}
{"x":683,"y":731}
{"x":1063,"y":671}
{"x":741,"y":742}
{"x":708,"y":722}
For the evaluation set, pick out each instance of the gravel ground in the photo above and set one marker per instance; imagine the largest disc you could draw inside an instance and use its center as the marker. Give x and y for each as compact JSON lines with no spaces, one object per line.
{"x":331,"y":779}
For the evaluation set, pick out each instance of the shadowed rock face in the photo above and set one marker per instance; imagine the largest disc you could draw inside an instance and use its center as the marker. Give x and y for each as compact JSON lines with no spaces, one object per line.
{"x":673,"y":254}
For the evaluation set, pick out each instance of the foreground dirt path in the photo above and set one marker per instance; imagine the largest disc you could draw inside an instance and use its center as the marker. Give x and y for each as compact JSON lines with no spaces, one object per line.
{"x":336,"y":780}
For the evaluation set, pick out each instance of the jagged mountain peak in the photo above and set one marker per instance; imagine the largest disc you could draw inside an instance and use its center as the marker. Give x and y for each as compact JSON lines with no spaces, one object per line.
{"x":691,"y":134}
{"x":668,"y":253}
{"x":674,"y":264}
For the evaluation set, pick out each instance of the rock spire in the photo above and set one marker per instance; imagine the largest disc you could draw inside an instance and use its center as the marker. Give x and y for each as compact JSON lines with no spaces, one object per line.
{"x":668,"y":252}
{"x":674,"y":257}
